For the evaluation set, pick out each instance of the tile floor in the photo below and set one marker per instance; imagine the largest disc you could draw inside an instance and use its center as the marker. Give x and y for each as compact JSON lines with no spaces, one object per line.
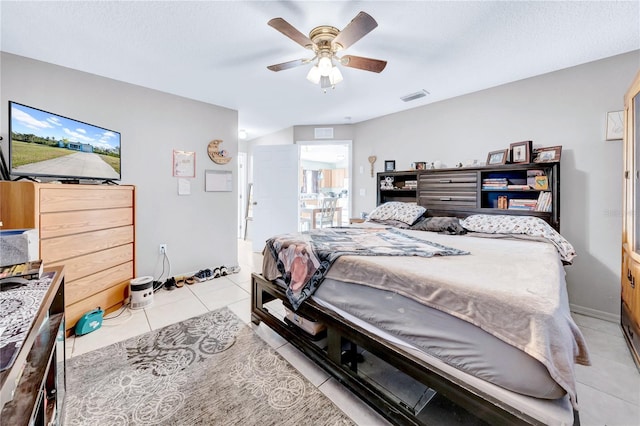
{"x":608,"y":391}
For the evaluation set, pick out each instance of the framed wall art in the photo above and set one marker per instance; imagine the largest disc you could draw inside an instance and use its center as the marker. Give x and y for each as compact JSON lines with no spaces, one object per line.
{"x":184,"y":163}
{"x":497,"y":157}
{"x":615,"y":125}
{"x":390,"y":166}
{"x":521,"y":152}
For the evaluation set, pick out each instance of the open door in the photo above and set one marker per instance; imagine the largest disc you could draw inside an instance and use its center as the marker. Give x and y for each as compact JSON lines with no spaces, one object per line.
{"x":275,"y":192}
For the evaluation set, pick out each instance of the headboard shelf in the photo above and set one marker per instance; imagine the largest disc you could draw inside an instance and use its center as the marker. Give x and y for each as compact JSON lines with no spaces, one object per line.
{"x":531,"y":189}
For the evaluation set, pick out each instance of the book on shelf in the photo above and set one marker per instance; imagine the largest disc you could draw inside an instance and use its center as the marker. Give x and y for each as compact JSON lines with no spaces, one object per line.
{"x":543,"y":203}
{"x":522,"y":204}
{"x":518,"y":187}
{"x":28,"y":270}
{"x":494,"y":183}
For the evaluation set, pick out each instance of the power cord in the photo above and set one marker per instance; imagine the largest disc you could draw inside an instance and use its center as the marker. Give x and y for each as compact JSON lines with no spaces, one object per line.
{"x":158,"y":284}
{"x":123,"y":309}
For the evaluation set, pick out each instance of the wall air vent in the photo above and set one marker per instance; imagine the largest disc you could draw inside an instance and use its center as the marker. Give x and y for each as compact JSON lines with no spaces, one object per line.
{"x":323,"y":132}
{"x":413,"y":96}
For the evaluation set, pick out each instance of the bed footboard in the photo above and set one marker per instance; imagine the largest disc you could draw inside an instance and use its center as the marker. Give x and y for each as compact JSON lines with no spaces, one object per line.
{"x":338,"y":355}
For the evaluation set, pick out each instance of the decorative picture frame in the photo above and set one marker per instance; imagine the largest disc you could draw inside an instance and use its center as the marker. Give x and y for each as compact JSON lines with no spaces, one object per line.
{"x":390,"y":166}
{"x":549,"y":154}
{"x":520,"y":152}
{"x":615,"y":125}
{"x":184,"y":163}
{"x":497,"y":157}
{"x":421,"y":165}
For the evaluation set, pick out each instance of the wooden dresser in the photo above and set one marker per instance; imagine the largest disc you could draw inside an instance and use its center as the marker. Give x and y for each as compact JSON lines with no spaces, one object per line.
{"x":87,"y":228}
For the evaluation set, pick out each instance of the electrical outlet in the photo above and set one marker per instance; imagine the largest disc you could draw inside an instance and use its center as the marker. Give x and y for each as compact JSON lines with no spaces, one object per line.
{"x":163,"y":248}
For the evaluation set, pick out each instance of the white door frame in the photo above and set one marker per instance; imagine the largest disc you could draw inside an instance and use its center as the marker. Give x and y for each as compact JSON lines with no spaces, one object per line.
{"x":349,"y":144}
{"x":242,"y":192}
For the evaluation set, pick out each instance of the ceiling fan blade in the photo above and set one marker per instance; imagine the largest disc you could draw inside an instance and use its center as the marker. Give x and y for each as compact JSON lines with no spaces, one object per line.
{"x":359,"y":26}
{"x":287,"y":29}
{"x":287,"y":65}
{"x":367,"y":64}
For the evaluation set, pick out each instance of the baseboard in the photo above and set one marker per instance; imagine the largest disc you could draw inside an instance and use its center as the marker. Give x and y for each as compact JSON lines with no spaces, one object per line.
{"x":606,"y":316}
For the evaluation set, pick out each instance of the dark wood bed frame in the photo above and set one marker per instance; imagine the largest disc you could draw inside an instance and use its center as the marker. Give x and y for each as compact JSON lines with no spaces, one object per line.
{"x":343,"y":334}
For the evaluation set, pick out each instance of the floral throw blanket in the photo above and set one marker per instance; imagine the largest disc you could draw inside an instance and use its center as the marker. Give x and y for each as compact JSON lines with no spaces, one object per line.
{"x":303,"y":259}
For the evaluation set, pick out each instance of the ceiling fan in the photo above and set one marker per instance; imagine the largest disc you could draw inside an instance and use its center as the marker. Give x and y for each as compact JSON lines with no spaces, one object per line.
{"x":326,"y":41}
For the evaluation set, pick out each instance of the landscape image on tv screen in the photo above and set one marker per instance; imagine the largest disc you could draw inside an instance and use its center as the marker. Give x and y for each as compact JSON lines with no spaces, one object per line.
{"x":47,"y":144}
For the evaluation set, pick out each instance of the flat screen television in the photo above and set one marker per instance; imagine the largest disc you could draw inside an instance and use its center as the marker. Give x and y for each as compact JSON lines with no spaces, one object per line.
{"x":43,"y":144}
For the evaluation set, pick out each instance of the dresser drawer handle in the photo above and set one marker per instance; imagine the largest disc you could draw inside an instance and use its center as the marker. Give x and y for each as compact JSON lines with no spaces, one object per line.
{"x":445,"y":198}
{"x":445,"y":180}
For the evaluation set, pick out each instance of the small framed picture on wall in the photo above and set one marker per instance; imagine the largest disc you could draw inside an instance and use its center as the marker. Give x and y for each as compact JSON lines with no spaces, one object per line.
{"x":390,"y":166}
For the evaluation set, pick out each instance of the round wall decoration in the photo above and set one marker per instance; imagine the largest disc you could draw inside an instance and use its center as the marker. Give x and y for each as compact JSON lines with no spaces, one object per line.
{"x":217,"y":154}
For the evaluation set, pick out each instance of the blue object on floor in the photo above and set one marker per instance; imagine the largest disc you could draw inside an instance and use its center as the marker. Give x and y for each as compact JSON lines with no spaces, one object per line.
{"x":90,"y":321}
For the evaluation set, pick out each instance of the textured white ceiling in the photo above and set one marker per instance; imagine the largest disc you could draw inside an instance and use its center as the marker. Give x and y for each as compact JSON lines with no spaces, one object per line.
{"x":218,"y":51}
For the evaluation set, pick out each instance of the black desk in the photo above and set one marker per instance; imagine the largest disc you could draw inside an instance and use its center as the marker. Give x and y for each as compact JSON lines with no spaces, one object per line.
{"x":32,"y":388}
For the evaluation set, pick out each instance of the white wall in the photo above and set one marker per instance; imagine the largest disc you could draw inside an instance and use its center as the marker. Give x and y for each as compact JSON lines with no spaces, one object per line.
{"x":196,"y":227}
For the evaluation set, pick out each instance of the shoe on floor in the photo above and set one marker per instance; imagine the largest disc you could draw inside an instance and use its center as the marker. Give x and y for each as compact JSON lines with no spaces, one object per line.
{"x":215,"y":273}
{"x":234,"y":269}
{"x":170,"y":284}
{"x":223,"y":271}
{"x":203,"y":275}
{"x":157,"y":285}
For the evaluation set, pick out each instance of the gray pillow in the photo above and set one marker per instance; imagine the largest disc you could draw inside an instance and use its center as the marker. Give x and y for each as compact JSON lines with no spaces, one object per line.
{"x":444,"y":224}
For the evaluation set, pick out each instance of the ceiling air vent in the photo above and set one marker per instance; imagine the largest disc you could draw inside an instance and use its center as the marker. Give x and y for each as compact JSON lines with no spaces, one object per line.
{"x":413,"y":96}
{"x":323,"y":132}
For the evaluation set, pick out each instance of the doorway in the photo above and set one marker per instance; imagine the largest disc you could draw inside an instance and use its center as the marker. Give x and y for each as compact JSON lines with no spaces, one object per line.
{"x":325,"y":172}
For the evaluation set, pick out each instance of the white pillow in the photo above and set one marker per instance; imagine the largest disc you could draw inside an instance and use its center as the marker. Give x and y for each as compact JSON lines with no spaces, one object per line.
{"x":396,"y":210}
{"x":529,"y":225}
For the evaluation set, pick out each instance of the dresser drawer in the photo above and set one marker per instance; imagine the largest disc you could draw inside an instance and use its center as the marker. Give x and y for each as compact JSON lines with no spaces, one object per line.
{"x":108,"y":300}
{"x":60,"y":248}
{"x":88,"y":286}
{"x":67,"y":223}
{"x":448,"y":181}
{"x":84,"y":197}
{"x":88,"y":264}
{"x":448,"y":199}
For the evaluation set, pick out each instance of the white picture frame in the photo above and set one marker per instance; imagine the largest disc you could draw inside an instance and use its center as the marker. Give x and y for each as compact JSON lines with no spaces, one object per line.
{"x":615,"y":125}
{"x":184,"y":164}
{"x":218,"y":181}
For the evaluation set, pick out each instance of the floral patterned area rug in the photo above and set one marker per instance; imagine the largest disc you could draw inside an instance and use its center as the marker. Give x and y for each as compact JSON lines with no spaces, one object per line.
{"x":208,"y":370}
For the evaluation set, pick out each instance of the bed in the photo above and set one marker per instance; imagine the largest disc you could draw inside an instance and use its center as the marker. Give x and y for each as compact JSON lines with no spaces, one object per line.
{"x":482,"y":320}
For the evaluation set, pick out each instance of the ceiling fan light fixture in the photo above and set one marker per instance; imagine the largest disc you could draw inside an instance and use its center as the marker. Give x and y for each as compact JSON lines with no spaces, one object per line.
{"x":325,"y":41}
{"x":325,"y":83}
{"x":335,"y":76}
{"x":325,"y":65}
{"x":314,"y":75}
